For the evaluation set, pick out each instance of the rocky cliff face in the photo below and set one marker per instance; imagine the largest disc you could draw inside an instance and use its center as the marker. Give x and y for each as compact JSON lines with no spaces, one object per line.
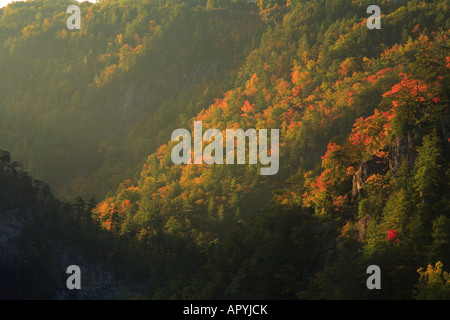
{"x":404,"y":148}
{"x":366,"y":169}
{"x":446,"y":130}
{"x":33,"y":265}
{"x":400,"y":149}
{"x":40,"y":238}
{"x":140,"y":96}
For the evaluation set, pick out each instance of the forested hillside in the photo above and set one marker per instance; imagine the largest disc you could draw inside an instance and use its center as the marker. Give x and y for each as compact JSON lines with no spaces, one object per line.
{"x":40,"y":237}
{"x":364,"y":139}
{"x":82,"y":109}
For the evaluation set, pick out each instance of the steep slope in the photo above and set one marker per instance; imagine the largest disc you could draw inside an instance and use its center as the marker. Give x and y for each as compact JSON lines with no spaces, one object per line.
{"x":83,"y":108}
{"x":364,"y":147}
{"x":336,"y":90}
{"x":41,"y":237}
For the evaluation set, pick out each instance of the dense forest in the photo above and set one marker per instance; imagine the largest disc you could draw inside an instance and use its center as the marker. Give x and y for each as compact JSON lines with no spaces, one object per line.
{"x":111,"y":89}
{"x":364,"y":149}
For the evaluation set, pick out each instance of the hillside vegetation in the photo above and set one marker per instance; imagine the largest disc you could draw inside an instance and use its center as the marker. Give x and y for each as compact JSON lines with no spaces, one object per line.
{"x":364,"y":139}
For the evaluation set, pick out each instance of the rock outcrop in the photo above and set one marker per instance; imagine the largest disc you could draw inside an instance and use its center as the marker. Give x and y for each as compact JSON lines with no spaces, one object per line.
{"x":373,"y":166}
{"x":404,"y":148}
{"x":446,"y":130}
{"x":401,"y":148}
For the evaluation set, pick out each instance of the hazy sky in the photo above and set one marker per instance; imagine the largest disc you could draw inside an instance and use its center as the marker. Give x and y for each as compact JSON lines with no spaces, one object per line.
{"x":5,"y":2}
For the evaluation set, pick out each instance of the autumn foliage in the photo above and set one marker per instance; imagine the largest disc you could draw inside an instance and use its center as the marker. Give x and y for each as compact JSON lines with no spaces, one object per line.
{"x":363,"y":120}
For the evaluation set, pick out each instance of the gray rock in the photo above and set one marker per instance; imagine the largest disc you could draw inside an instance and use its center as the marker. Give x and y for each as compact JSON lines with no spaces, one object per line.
{"x":366,"y":169}
{"x":404,"y":148}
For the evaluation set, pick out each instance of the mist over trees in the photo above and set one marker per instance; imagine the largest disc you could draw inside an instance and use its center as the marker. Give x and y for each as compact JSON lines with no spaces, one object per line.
{"x":364,"y":144}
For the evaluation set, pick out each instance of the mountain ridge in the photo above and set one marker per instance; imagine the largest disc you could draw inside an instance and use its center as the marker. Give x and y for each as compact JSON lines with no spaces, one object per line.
{"x":350,"y":103}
